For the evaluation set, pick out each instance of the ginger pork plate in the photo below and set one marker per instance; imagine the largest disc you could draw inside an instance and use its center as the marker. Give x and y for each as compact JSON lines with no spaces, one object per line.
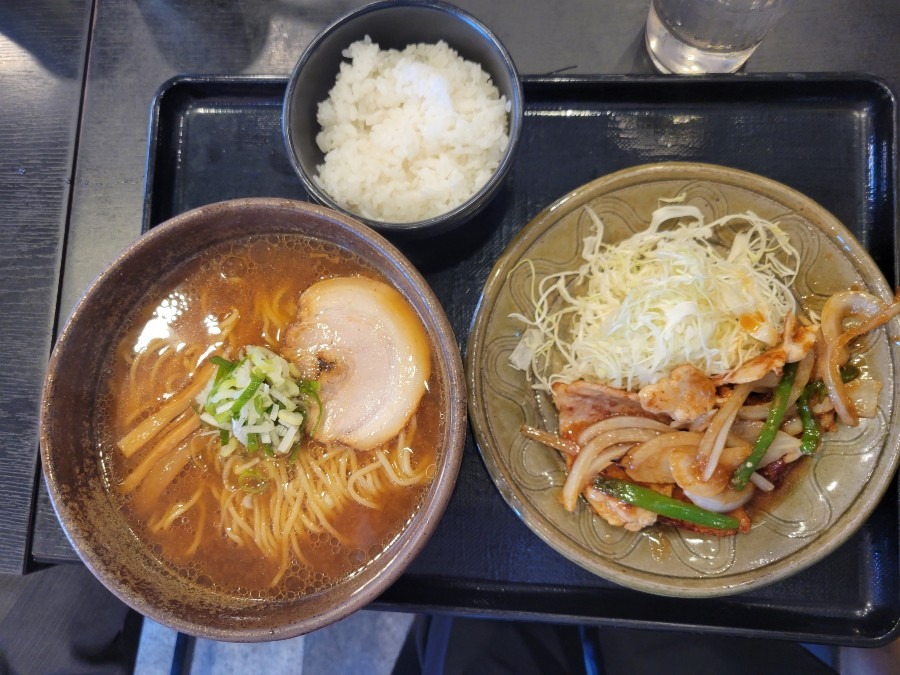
{"x":682,"y":377}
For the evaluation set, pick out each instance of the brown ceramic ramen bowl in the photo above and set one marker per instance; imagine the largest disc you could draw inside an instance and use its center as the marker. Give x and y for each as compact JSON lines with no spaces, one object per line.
{"x":70,"y":447}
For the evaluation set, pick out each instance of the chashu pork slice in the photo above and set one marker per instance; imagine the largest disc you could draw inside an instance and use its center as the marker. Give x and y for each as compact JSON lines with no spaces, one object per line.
{"x":371,"y":354}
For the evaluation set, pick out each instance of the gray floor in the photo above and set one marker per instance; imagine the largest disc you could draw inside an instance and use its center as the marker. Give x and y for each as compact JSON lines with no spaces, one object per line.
{"x":376,"y":638}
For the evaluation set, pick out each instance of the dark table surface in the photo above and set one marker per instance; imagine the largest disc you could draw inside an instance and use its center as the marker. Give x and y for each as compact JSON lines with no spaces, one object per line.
{"x":78,"y":80}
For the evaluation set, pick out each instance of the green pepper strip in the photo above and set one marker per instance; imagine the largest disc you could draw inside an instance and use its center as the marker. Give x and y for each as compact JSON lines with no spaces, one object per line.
{"x":770,"y":428}
{"x":816,"y":390}
{"x":652,"y":500}
{"x":849,"y":372}
{"x":812,"y":431}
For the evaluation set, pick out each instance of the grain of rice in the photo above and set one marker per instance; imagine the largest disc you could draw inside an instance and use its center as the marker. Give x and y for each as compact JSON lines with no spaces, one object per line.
{"x":411,"y":134}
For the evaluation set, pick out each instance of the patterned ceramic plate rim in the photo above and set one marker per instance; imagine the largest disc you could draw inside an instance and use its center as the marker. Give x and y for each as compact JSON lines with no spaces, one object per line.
{"x":834,"y":501}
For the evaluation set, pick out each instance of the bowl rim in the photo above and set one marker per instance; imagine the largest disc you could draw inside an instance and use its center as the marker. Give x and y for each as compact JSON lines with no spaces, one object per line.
{"x":475,"y":202}
{"x":402,"y":551}
{"x":595,"y":561}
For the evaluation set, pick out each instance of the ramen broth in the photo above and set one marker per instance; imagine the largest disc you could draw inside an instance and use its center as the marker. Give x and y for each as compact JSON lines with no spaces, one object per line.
{"x":181,"y":325}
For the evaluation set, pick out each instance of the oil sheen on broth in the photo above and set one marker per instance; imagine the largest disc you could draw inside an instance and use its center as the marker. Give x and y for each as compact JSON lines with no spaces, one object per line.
{"x":186,"y":502}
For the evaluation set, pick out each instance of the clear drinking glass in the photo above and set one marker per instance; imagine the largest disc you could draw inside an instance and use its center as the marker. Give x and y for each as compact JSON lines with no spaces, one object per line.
{"x":692,"y":37}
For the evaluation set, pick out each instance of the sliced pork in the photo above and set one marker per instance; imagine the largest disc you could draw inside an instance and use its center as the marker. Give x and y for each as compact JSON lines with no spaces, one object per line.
{"x":582,"y":403}
{"x":371,"y":353}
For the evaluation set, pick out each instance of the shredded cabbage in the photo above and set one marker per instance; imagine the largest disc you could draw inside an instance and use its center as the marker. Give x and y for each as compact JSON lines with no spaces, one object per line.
{"x":676,"y":293}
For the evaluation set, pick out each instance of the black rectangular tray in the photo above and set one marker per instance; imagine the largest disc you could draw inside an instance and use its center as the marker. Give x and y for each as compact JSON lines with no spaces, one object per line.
{"x":831,"y":137}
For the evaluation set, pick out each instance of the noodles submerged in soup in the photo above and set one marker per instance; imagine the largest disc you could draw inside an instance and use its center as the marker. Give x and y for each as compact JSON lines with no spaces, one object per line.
{"x":239,"y":493}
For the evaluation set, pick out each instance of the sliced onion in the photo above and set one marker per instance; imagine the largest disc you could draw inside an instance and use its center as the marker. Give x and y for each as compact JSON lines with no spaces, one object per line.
{"x":725,"y":501}
{"x":761,"y":482}
{"x":792,"y":426}
{"x":640,"y":453}
{"x":607,"y":457}
{"x":543,"y":437}
{"x":784,"y":446}
{"x":581,"y":472}
{"x":822,"y":406}
{"x":687,"y":473}
{"x":835,"y":354}
{"x":619,"y":422}
{"x":801,"y":377}
{"x":636,"y":459}
{"x":710,"y":447}
{"x":843,"y":304}
{"x":757,"y":411}
{"x":864,"y":394}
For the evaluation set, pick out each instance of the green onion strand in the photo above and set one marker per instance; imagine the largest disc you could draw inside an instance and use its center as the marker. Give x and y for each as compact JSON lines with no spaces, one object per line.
{"x":252,"y":482}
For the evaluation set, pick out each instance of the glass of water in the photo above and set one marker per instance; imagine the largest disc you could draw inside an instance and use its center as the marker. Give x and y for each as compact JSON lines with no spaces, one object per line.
{"x":692,"y":37}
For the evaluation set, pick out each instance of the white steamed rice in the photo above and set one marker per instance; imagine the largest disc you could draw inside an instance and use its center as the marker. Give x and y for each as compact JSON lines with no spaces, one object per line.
{"x":409,"y":135}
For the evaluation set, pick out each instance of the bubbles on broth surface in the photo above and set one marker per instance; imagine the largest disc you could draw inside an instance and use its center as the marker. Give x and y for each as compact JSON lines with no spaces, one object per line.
{"x":300,"y":262}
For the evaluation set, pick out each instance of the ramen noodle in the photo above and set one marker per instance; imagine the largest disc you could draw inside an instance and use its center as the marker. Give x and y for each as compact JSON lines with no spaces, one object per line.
{"x":214,"y":441}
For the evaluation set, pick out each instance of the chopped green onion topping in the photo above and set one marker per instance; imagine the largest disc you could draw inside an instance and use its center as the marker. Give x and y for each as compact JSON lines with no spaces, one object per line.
{"x":259,"y":403}
{"x":246,"y":395}
{"x":252,"y":482}
{"x":225,"y":366}
{"x":310,"y":389}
